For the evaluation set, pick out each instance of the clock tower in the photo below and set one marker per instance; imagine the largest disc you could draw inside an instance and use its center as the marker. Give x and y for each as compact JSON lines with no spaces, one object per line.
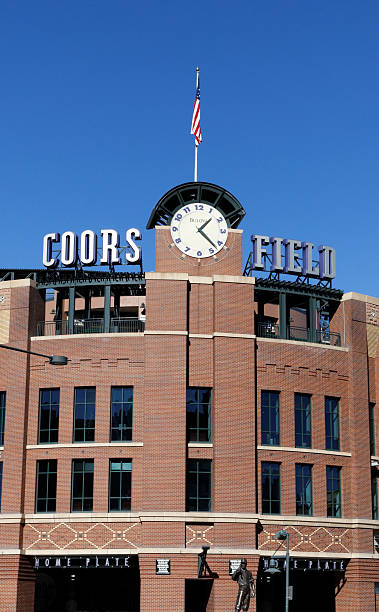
{"x":196,"y":231}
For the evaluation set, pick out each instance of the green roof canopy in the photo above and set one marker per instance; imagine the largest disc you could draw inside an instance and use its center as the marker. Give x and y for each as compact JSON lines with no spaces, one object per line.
{"x":196,"y":192}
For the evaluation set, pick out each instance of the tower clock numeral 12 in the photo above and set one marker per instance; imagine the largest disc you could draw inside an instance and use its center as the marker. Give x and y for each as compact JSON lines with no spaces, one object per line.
{"x":199,"y":230}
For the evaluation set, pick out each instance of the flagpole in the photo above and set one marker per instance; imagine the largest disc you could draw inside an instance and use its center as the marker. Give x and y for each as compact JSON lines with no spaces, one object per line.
{"x":196,"y":145}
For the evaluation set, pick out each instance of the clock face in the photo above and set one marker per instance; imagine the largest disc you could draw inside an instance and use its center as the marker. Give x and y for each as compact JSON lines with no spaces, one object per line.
{"x":199,"y":230}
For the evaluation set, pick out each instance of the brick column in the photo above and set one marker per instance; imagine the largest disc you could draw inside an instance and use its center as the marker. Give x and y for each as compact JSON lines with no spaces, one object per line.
{"x":234,"y":399}
{"x":160,"y":593}
{"x":164,"y":437}
{"x":359,"y":411}
{"x":17,"y":583}
{"x":358,"y":593}
{"x":23,"y":307}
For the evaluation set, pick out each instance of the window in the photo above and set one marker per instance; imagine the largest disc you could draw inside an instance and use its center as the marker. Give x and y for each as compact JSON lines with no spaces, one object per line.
{"x":374,"y":494}
{"x":376,"y":543}
{"x":2,"y":416}
{"x":84,"y":414}
{"x":303,"y":489}
{"x":270,"y":428}
{"x":121,"y":414}
{"x":199,"y":414}
{"x":199,"y":485}
{"x":82,"y":485}
{"x":48,"y":416}
{"x":332,"y":423}
{"x":303,"y":422}
{"x":46,"y":485}
{"x":372,"y":428}
{"x":333,"y":491}
{"x":270,"y":488}
{"x":120,"y":485}
{"x":1,"y":481}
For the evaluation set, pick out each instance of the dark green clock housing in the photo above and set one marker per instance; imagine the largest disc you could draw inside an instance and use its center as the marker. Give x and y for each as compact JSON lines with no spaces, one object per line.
{"x":186,"y":193}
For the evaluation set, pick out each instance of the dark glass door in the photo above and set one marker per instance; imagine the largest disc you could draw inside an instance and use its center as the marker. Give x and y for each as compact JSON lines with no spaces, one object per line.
{"x":197,"y":594}
{"x":312,"y":591}
{"x":87,"y":590}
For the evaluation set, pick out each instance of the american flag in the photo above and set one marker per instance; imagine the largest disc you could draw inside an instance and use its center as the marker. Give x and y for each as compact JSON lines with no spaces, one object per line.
{"x":195,"y":127}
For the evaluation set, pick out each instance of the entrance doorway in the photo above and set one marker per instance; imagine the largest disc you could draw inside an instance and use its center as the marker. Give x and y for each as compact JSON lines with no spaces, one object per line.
{"x":312,"y":591}
{"x":87,"y":590}
{"x":197,"y":593}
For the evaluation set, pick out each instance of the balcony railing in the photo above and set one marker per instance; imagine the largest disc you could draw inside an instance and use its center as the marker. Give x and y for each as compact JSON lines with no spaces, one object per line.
{"x":301,"y":334}
{"x":120,"y":325}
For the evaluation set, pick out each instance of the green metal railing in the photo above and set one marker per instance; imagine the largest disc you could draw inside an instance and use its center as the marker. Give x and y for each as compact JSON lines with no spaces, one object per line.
{"x":300,"y":334}
{"x":90,"y":326}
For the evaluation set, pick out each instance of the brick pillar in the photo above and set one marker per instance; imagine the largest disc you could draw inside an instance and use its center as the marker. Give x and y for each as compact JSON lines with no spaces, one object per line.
{"x":17,"y":581}
{"x":24,"y":307}
{"x":358,"y":592}
{"x":160,"y":593}
{"x":358,"y":414}
{"x":164,"y":436}
{"x":234,"y":431}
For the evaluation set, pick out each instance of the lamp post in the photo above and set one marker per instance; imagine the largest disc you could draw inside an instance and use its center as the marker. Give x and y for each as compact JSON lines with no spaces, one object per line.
{"x":282,"y":535}
{"x":58,"y":360}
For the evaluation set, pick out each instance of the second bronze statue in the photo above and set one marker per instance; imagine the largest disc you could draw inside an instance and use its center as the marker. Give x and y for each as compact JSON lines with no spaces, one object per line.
{"x":246,"y":586}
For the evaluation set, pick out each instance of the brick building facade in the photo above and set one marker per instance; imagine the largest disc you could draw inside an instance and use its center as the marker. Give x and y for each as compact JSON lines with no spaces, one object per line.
{"x":198,"y":426}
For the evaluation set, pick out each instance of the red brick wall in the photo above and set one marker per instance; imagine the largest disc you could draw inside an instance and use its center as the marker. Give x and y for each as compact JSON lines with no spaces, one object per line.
{"x":16,"y":584}
{"x":168,"y":256}
{"x":358,"y":594}
{"x":160,"y":366}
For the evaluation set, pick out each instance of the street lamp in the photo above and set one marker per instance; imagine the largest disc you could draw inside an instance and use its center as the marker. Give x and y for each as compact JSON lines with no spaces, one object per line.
{"x":272,"y":569}
{"x":58,"y":360}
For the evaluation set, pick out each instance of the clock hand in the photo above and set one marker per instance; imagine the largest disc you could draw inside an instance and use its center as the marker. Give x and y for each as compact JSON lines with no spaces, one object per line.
{"x":206,"y":237}
{"x":204,"y":225}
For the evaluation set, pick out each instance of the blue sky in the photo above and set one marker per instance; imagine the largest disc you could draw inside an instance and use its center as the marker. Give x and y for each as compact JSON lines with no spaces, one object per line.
{"x":95,"y":111}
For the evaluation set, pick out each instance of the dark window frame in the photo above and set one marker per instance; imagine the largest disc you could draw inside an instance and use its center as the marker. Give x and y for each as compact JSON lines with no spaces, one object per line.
{"x":46,"y":479}
{"x":270,"y":503}
{"x":3,"y":401}
{"x":196,"y":479}
{"x":332,"y":423}
{"x":124,"y":501}
{"x":303,"y":420}
{"x":333,"y":493}
{"x":79,"y":481}
{"x":1,"y":481}
{"x":194,"y":408}
{"x":304,"y":489}
{"x":85,"y":433}
{"x":372,"y":427}
{"x":270,"y":412}
{"x":52,"y":432}
{"x":374,"y":495}
{"x":122,"y":432}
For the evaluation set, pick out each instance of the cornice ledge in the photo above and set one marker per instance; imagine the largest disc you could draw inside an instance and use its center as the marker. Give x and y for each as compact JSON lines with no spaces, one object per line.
{"x":158,"y":332}
{"x":84,"y":445}
{"x":293,"y":449}
{"x":176,"y":276}
{"x":328,"y":347}
{"x":83,"y":336}
{"x":228,"y":278}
